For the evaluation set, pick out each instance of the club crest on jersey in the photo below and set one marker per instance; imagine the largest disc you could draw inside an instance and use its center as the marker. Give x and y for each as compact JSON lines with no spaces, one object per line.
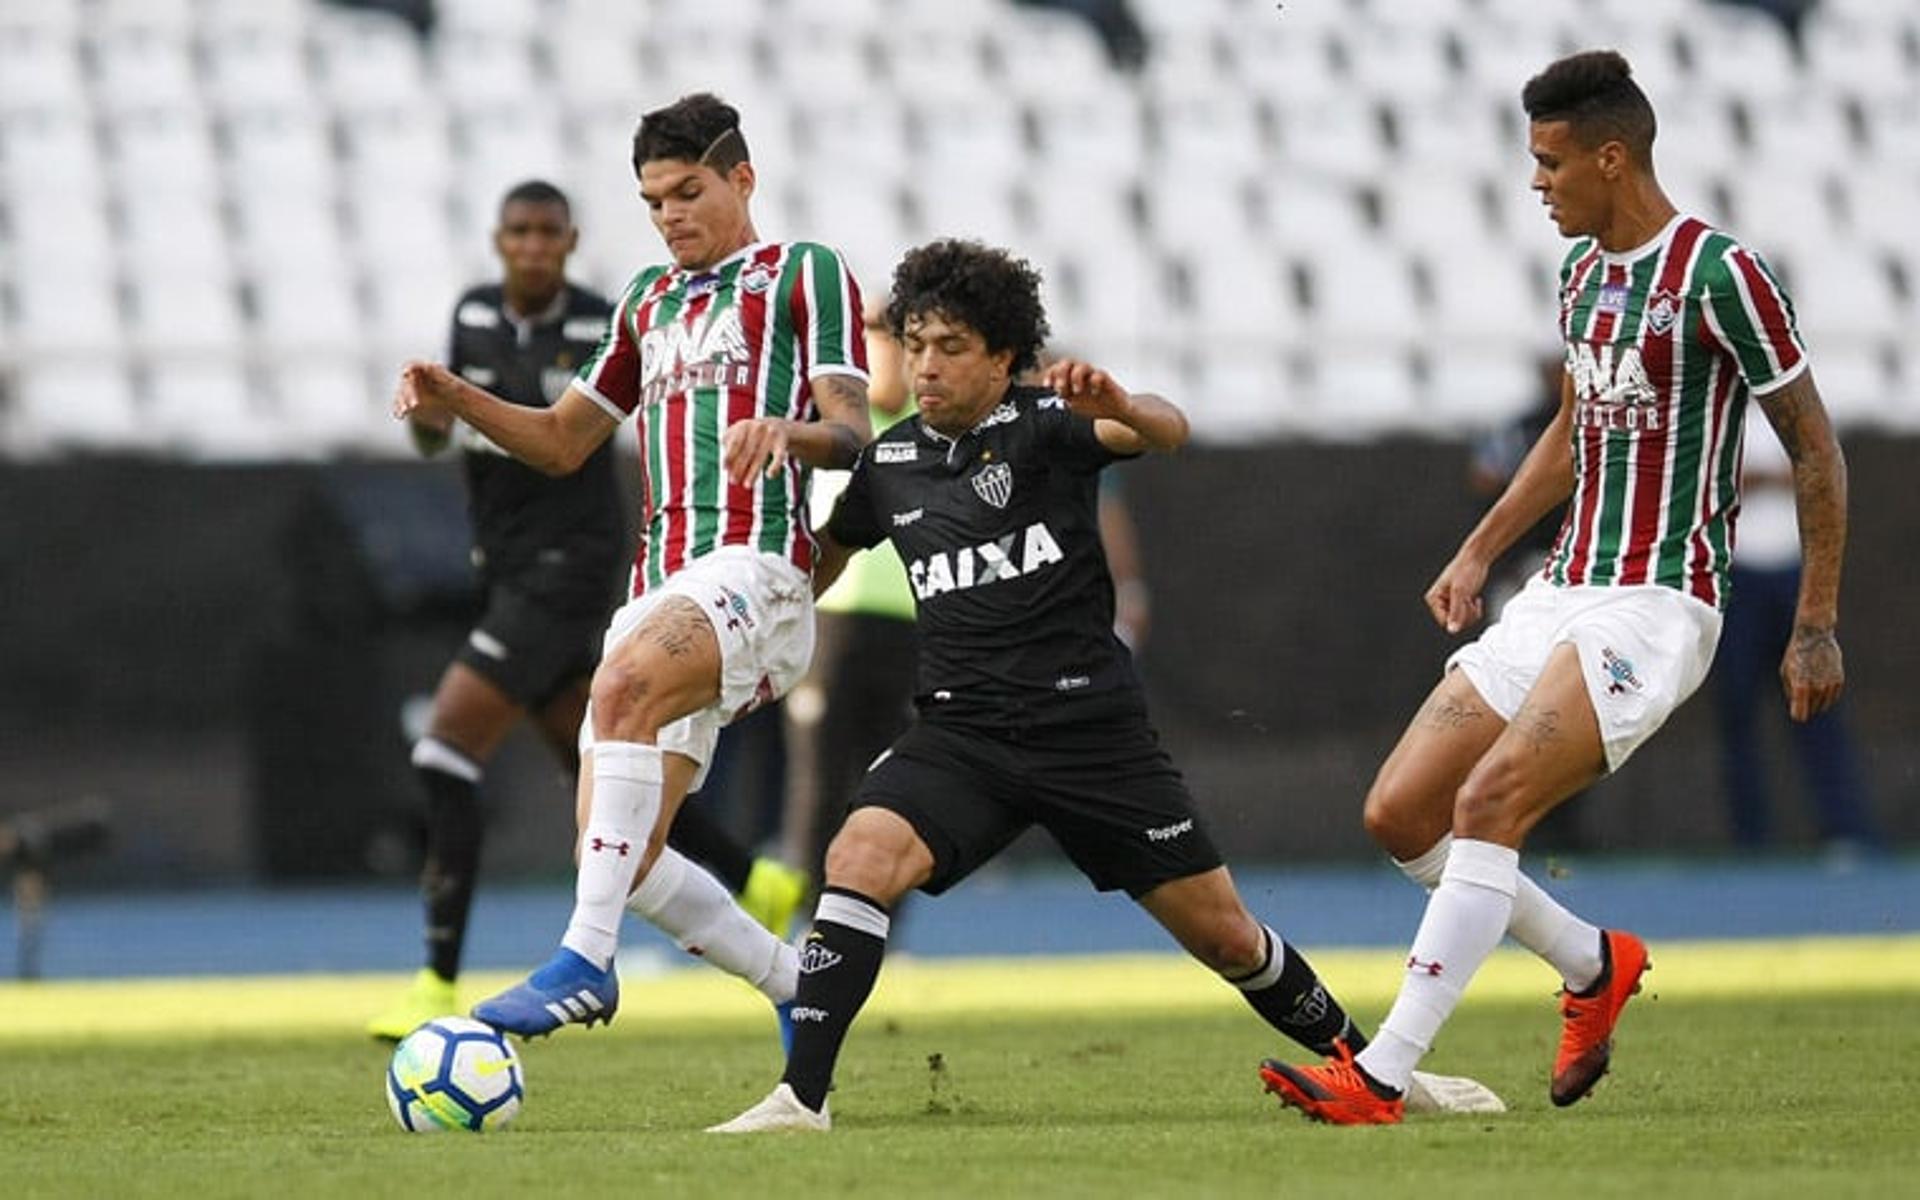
{"x":994,"y":484}
{"x":756,"y":279}
{"x":1662,"y":311}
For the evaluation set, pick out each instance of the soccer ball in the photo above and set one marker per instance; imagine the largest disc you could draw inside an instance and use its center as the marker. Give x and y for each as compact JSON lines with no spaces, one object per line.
{"x":454,"y":1073}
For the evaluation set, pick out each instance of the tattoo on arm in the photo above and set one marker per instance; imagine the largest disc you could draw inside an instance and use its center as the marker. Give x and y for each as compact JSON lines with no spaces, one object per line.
{"x":842,"y":400}
{"x":1820,"y":494}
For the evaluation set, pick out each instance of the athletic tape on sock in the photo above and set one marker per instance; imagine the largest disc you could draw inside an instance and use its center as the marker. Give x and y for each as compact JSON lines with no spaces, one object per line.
{"x":434,"y":755}
{"x":853,"y":912}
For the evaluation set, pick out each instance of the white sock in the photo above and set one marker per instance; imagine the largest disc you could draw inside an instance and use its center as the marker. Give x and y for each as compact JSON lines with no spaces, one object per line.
{"x":1466,"y":918}
{"x":698,"y":912}
{"x":1539,"y":922}
{"x":626,"y":802}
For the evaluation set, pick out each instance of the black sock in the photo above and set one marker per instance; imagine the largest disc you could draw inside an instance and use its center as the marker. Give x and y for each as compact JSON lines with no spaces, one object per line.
{"x":838,"y":966}
{"x":453,"y":863}
{"x":1291,"y":998}
{"x":699,"y":837}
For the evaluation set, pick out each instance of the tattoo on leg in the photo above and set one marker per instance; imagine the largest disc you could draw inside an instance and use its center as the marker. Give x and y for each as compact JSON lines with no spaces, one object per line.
{"x":1447,"y":713}
{"x":677,"y":630}
{"x":1540,"y":726}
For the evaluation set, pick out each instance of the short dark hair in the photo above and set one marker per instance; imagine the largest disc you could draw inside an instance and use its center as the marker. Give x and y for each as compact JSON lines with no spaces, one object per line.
{"x":701,"y":128}
{"x":536,"y":191}
{"x":982,"y":287}
{"x":1594,"y":92}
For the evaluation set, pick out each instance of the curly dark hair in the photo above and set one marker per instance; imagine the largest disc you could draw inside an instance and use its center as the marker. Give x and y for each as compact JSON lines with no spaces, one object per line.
{"x":984,"y":288}
{"x":701,"y":128}
{"x":1595,"y":94}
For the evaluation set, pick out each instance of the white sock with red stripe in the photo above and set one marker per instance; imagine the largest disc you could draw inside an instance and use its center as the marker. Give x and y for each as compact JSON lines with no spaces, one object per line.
{"x":698,"y":912}
{"x":626,"y":802}
{"x":1539,"y":922}
{"x":1466,"y":918}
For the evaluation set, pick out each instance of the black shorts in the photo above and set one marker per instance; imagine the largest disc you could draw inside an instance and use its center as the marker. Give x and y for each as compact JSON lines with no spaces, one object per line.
{"x":532,"y":647}
{"x":1105,"y":790}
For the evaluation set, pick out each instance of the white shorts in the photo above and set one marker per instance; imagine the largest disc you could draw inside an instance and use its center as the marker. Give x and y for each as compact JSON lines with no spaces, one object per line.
{"x":761,"y":609}
{"x":1643,"y":649}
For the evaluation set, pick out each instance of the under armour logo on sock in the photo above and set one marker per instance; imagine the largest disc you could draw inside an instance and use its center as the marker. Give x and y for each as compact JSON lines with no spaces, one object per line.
{"x":602,"y":844}
{"x":1431,"y":968}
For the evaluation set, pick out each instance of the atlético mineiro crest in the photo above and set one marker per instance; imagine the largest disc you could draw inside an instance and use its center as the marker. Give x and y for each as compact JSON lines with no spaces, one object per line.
{"x":756,"y":279}
{"x":1662,"y":311}
{"x":994,"y":484}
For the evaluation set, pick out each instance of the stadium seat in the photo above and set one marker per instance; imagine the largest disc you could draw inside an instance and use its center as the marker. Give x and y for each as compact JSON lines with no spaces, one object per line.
{"x":252,"y":68}
{"x":331,"y":407}
{"x":165,"y":150}
{"x":1738,"y":50}
{"x":1469,"y":391}
{"x":1460,"y":134}
{"x":87,"y":405}
{"x":51,"y":152}
{"x":1443,"y":208}
{"x":1857,"y":54}
{"x":40,"y":71}
{"x":1360,"y":397}
{"x":63,"y":314}
{"x":1335,"y":138}
{"x":1813,"y":132}
{"x":144,"y":67}
{"x":1397,"y":61}
{"x":1360,"y":297}
{"x":211,"y":412}
{"x":173,"y":19}
{"x":1481,"y":299}
{"x":370,"y":61}
{"x":187,"y":315}
{"x":276,"y":150}
{"x":1785,"y":216}
{"x":316,"y":313}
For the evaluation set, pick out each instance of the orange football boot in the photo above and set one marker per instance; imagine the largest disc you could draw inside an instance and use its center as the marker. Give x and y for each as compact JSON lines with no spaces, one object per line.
{"x":1588,"y":1018}
{"x":1337,"y":1092}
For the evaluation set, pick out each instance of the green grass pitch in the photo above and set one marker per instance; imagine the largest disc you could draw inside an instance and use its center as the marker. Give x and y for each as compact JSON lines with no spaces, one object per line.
{"x":1746,"y":1069}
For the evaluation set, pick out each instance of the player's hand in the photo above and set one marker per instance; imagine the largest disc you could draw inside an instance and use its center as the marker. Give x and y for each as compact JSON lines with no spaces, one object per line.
{"x":1087,"y":389}
{"x":754,"y":447}
{"x":1812,"y":673}
{"x":421,"y":395}
{"x":1454,"y":598}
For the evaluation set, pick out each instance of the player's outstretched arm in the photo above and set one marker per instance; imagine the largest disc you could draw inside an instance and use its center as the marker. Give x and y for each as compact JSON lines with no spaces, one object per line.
{"x":1813,"y":672}
{"x":1542,"y":484}
{"x":832,"y":560}
{"x":1125,"y":422}
{"x":555,"y":440}
{"x":762,"y":445}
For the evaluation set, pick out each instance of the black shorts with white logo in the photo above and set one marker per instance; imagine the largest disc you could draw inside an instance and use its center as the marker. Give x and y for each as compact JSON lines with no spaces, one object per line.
{"x":1105,"y":790}
{"x":531,"y":647}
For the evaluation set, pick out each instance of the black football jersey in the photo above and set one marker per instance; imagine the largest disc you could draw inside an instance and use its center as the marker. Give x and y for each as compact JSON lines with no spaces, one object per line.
{"x":999,"y":530}
{"x":562,"y":534}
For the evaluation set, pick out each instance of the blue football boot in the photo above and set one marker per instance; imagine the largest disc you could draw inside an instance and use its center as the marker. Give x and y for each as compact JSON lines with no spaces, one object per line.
{"x":567,"y":990}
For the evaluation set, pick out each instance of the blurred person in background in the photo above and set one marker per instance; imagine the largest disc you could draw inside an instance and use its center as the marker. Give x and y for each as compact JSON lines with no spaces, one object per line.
{"x":1669,"y":325}
{"x":1759,"y":625}
{"x":743,"y":363}
{"x":548,"y":551}
{"x":859,"y":694}
{"x":1029,"y":711}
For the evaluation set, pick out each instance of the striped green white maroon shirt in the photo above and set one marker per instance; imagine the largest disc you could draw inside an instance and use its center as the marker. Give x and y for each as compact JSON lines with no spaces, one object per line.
{"x":1664,"y":344}
{"x":692,"y":352}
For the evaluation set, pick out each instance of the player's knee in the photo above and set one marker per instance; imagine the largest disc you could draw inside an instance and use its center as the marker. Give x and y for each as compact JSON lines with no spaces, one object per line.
{"x":626,"y":705}
{"x":1396,"y":818}
{"x":877,"y":854}
{"x":1232,"y":946}
{"x":1488,"y":805}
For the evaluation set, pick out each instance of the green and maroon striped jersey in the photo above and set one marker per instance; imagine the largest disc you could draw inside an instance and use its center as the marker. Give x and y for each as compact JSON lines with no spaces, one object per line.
{"x":692,"y":352}
{"x":1664,"y":345}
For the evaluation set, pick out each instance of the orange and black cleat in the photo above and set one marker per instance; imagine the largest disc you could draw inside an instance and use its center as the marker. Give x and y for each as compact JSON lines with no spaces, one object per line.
{"x":1588,"y":1018}
{"x":1337,"y":1092}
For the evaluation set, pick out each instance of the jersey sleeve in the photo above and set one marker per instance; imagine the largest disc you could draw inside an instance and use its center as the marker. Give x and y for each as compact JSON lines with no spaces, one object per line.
{"x":833,"y":337}
{"x":1069,"y":438}
{"x":1749,"y":316}
{"x":853,"y":522}
{"x":611,"y":375}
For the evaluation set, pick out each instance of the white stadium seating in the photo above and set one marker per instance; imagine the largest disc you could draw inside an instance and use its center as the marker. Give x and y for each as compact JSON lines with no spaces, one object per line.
{"x":223,"y":223}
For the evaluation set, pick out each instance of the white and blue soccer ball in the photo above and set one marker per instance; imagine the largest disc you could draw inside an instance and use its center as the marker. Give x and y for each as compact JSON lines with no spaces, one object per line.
{"x":454,"y":1073}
